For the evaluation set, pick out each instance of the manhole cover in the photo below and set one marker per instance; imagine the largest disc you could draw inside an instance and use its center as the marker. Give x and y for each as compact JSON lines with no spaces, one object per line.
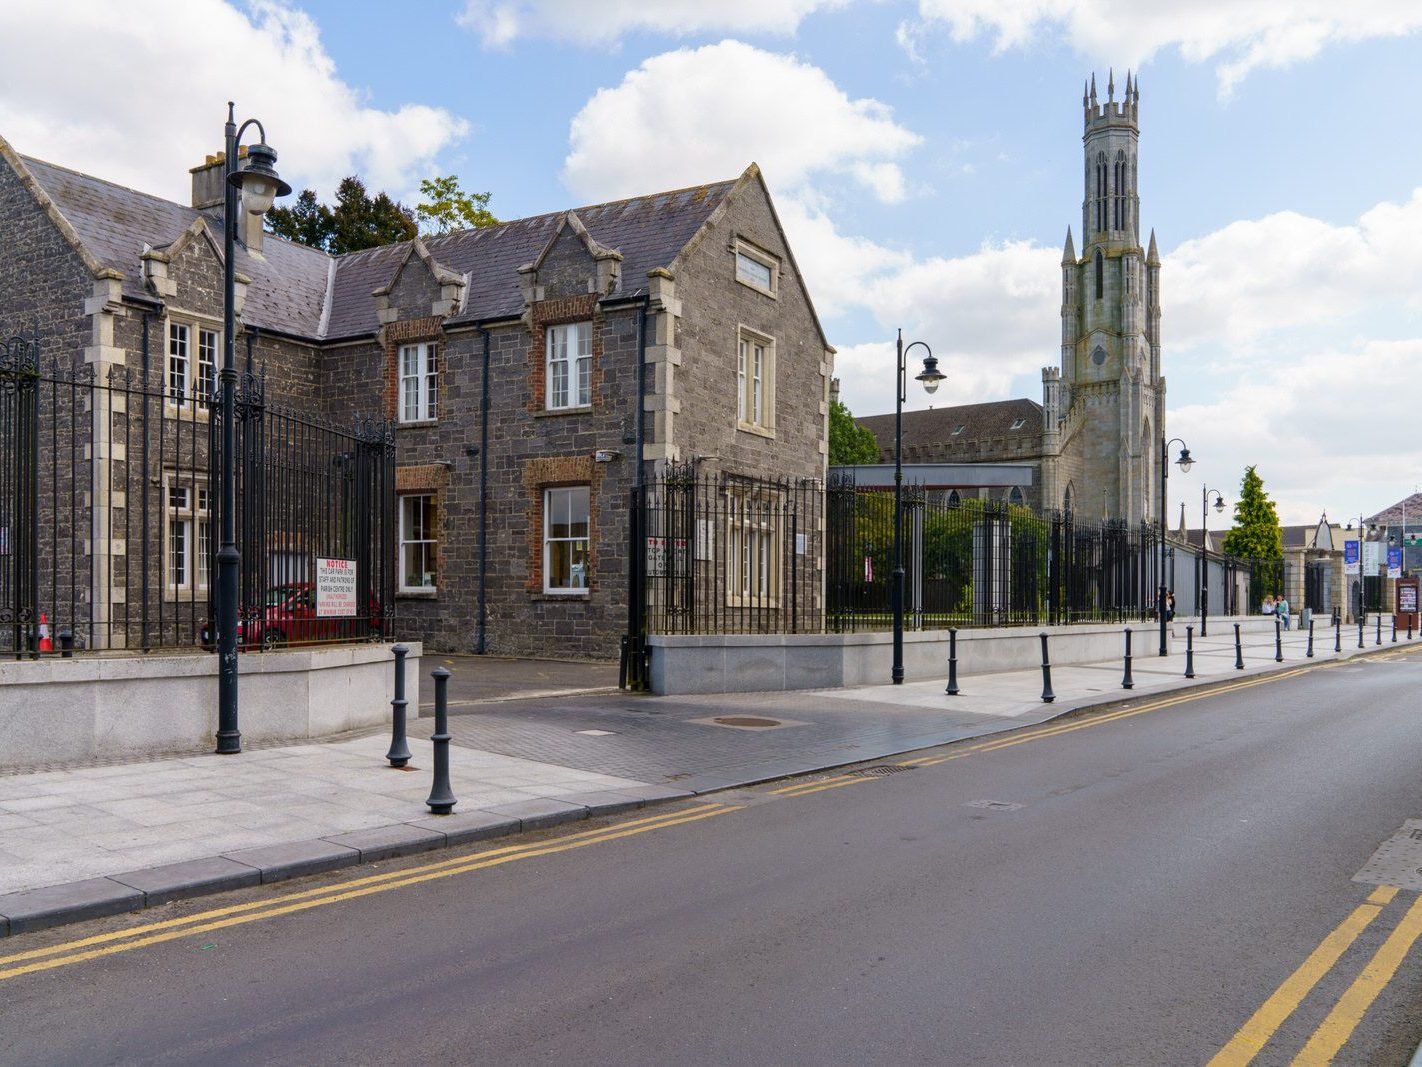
{"x":746,"y":720}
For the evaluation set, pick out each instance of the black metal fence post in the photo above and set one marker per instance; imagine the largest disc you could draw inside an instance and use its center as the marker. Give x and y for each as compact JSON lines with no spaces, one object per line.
{"x":399,"y":753}
{"x":1238,"y":650}
{"x":1278,"y":641}
{"x":441,"y":799}
{"x":1047,"y":695}
{"x":1127,"y":682}
{"x":1189,"y":652}
{"x":952,"y":689}
{"x":1310,"y":639}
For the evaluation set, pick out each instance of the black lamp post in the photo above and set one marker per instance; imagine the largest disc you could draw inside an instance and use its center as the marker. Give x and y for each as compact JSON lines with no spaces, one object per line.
{"x":930,"y":376}
{"x":258,"y":184}
{"x":1185,"y":462}
{"x":1202,"y":568}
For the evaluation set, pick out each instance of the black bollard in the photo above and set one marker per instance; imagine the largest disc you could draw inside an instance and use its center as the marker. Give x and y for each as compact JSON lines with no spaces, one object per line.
{"x":952,"y":662}
{"x":1310,"y":639}
{"x":1394,"y":629}
{"x":441,"y":800}
{"x":1337,"y":632}
{"x":1238,"y":650}
{"x":1127,"y":682}
{"x":1379,"y":629}
{"x":1278,"y":641}
{"x":1189,"y":652}
{"x":399,"y":753}
{"x":66,"y":643}
{"x":1047,"y":695}
{"x":1361,"y":622}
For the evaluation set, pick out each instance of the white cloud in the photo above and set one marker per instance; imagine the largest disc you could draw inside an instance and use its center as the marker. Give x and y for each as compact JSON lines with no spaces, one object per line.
{"x":704,"y":113}
{"x":140,"y":99}
{"x":1240,"y":37}
{"x":501,"y":22}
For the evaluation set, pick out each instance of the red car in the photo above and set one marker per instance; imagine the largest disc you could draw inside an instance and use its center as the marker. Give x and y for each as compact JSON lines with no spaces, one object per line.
{"x":289,"y":617}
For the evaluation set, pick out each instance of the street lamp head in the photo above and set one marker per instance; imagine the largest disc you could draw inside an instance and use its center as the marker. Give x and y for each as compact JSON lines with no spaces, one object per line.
{"x":1185,"y":462}
{"x":1219,"y":503}
{"x":258,"y":180}
{"x":931,"y":375}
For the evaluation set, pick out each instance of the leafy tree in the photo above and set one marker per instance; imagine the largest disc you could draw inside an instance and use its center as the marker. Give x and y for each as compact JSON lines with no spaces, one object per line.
{"x":849,"y":442}
{"x":1256,"y":533}
{"x":357,"y":220}
{"x":451,"y":208}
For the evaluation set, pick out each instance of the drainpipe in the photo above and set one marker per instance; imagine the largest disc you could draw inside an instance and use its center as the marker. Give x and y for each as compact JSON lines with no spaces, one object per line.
{"x":633,"y":673}
{"x":482,"y":645}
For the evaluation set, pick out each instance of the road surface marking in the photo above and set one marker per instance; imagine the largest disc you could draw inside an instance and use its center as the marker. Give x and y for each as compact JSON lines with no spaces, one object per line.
{"x":795,"y":787}
{"x":1333,"y":1033}
{"x":238,"y":914}
{"x":1261,"y":1026}
{"x":819,"y":787}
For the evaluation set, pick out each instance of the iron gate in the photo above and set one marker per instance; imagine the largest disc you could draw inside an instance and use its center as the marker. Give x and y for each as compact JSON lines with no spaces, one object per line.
{"x":19,"y":491}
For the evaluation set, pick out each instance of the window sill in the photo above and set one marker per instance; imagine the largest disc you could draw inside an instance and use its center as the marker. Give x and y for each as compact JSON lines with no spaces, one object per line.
{"x":581,"y":595}
{"x":417,"y":594}
{"x":543,"y":413}
{"x":752,"y":603}
{"x":416,"y":424}
{"x":759,"y":431}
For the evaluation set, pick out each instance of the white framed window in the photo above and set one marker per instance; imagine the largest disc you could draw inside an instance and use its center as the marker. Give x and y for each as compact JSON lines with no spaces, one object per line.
{"x":569,"y":366}
{"x":757,"y":269}
{"x":566,"y":522}
{"x":1017,"y":424}
{"x":752,"y":549}
{"x":755,"y":381}
{"x":419,"y":383}
{"x":192,"y":365}
{"x":419,"y":542}
{"x":189,"y":541}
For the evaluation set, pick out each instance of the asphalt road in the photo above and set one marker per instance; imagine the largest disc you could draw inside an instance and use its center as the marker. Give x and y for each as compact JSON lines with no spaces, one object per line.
{"x":1108,"y":890}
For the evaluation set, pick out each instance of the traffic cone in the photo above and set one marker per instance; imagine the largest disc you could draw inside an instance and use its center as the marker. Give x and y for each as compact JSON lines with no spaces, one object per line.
{"x":45,"y":644}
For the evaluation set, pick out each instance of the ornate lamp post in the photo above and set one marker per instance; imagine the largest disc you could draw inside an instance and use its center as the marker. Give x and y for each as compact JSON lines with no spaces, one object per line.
{"x":930,"y":376}
{"x":1185,"y":462}
{"x":1202,"y":567}
{"x":257,"y":183}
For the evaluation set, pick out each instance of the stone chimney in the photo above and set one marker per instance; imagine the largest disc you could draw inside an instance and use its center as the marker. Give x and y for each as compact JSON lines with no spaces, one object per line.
{"x":207,"y":181}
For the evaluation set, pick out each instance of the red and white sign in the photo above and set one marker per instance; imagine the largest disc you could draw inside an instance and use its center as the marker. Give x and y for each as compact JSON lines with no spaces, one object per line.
{"x":336,"y":588}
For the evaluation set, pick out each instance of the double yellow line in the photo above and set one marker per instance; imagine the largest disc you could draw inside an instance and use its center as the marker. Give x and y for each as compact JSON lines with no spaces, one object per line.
{"x":1335,"y":1030}
{"x":108,"y":944}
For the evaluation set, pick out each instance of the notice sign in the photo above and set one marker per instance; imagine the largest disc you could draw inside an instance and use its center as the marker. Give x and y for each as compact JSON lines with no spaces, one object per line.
{"x":335,"y":588}
{"x":1407,"y":599}
{"x":1350,"y":557}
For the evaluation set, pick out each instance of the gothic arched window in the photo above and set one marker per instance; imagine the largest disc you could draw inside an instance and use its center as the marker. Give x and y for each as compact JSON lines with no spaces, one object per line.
{"x":954,"y":499}
{"x":1119,"y":204}
{"x":1066,"y":500}
{"x":1100,"y":275}
{"x":1101,"y":191}
{"x":1016,"y":497}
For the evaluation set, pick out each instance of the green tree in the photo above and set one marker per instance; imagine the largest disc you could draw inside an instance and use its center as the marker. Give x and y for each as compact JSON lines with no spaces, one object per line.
{"x":849,"y":442}
{"x":448,"y":207}
{"x":1256,"y":533}
{"x":357,"y":220}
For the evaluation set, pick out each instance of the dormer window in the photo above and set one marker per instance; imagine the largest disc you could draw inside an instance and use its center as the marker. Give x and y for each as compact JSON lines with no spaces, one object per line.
{"x":958,"y":430}
{"x":756,"y":269}
{"x":1017,"y":424}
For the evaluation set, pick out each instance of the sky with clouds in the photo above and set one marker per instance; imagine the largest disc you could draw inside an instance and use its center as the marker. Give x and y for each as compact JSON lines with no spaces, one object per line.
{"x":925,"y":156}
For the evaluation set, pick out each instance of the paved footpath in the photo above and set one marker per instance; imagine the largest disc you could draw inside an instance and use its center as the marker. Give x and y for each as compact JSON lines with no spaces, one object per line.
{"x":81,"y":842}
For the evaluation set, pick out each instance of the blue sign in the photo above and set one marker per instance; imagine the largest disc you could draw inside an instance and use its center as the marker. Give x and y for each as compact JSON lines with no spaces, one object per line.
{"x":1350,"y":557}
{"x":1394,"y":562}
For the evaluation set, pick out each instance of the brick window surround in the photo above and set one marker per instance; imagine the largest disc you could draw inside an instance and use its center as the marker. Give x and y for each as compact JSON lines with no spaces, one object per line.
{"x":549,"y":473}
{"x":411,"y":331}
{"x":426,"y":479}
{"x":556,"y":312}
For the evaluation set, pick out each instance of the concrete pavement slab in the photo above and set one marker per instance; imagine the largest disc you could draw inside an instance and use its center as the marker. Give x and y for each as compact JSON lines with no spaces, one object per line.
{"x":296,"y":858}
{"x":174,"y":881}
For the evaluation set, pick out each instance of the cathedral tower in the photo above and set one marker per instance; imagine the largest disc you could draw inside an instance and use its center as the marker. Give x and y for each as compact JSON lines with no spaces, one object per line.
{"x":1111,"y":399}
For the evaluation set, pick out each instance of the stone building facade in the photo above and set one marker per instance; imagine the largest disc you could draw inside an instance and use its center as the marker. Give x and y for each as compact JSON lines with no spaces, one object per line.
{"x":1093,"y":440}
{"x":509,"y":359}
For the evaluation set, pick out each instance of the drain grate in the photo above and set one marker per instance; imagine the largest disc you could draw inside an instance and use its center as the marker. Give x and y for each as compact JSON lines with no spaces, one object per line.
{"x":877,"y":772}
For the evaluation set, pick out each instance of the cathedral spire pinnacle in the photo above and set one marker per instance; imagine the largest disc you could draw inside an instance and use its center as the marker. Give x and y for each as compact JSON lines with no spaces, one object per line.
{"x":1068,"y":251}
{"x":1093,"y":88}
{"x":1152,"y":256}
{"x":1110,"y":84}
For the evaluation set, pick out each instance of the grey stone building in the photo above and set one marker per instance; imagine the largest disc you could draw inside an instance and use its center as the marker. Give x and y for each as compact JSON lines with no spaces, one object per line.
{"x":510,"y":360}
{"x":1092,"y":442}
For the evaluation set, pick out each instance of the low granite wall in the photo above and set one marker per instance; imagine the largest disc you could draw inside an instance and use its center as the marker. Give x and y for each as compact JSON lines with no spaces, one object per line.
{"x":56,"y":710}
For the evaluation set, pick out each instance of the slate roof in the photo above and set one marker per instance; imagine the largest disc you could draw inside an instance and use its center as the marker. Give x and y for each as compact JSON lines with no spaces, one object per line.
{"x":292,"y":284}
{"x":1409,"y":507}
{"x":979,"y":421}
{"x":114,"y":223}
